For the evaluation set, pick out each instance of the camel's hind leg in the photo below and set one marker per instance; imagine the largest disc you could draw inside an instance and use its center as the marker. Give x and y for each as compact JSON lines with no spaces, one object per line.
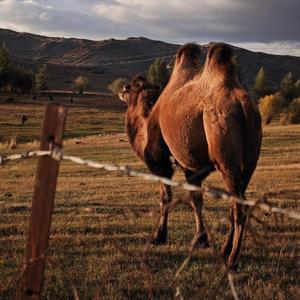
{"x":196,"y":201}
{"x":232,"y":247}
{"x":239,"y":220}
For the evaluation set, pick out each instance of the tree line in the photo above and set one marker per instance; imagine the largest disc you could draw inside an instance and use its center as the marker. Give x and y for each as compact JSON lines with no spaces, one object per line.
{"x":14,"y":79}
{"x":17,"y":79}
{"x":282,"y":102}
{"x":158,"y":73}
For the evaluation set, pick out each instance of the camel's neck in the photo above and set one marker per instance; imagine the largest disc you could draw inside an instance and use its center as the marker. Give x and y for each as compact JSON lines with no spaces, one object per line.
{"x":180,"y":76}
{"x":136,"y":130}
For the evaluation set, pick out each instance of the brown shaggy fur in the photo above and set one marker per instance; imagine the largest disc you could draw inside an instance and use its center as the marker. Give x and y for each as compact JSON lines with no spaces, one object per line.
{"x":187,"y":66}
{"x":209,"y":123}
{"x":140,"y":96}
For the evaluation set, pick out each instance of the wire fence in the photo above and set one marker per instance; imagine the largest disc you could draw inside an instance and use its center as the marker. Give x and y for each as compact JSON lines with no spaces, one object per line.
{"x":216,"y":193}
{"x":262,"y":203}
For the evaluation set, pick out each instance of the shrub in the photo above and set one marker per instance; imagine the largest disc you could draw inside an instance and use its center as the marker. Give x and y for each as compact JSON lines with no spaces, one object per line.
{"x":21,"y":80}
{"x":81,"y":84}
{"x":13,"y":79}
{"x":158,"y":73}
{"x":287,"y":87}
{"x":239,"y":71}
{"x":292,"y":114}
{"x":4,"y":67}
{"x":41,"y":79}
{"x":260,"y":83}
{"x":116,"y":86}
{"x":270,"y":106}
{"x":4,"y":58}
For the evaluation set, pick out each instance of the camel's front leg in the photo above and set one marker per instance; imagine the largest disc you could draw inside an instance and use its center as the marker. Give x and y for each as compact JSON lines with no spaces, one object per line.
{"x":200,"y":238}
{"x":162,"y":229}
{"x":157,"y":159}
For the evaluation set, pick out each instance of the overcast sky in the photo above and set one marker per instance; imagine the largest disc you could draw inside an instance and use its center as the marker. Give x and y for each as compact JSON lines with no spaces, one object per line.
{"x":271,"y":26}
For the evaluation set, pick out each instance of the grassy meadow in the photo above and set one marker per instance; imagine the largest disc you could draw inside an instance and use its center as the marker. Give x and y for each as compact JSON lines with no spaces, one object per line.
{"x":102,"y":221}
{"x":87,"y":115}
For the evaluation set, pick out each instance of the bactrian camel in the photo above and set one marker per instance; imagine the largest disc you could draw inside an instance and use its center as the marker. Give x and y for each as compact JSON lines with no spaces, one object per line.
{"x":206,"y":122}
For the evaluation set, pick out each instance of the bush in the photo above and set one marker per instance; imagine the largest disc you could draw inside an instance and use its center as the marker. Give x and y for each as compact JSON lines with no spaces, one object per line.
{"x":4,"y":58}
{"x":158,"y":73}
{"x":288,"y":87}
{"x":239,"y":71}
{"x":81,"y":84}
{"x":41,"y":79}
{"x":292,"y":114}
{"x":116,"y":86}
{"x":13,"y":79}
{"x":270,"y":106}
{"x":22,"y":80}
{"x":260,"y":83}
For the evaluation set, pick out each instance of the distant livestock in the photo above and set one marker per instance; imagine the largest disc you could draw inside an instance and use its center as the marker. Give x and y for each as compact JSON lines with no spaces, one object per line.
{"x":23,"y":119}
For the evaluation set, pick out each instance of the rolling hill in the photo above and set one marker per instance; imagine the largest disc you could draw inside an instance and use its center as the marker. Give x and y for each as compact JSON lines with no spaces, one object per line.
{"x":103,"y":61}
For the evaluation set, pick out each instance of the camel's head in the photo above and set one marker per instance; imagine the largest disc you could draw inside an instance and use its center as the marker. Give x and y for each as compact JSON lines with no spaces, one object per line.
{"x":220,"y":54}
{"x":140,"y":94}
{"x":188,"y":56}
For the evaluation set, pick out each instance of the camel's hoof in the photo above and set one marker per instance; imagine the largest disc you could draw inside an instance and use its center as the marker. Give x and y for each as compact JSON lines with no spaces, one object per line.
{"x":158,"y":241}
{"x":202,"y":245}
{"x":202,"y":242}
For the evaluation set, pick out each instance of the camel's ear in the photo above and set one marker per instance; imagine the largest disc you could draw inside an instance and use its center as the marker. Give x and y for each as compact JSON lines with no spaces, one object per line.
{"x":141,"y":84}
{"x":138,"y":83}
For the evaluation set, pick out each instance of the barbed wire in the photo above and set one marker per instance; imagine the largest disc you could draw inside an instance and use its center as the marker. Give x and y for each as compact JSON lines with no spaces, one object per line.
{"x":216,"y":193}
{"x":24,"y":155}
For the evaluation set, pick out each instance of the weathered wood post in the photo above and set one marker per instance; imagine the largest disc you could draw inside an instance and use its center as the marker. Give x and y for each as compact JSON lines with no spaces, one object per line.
{"x":42,"y":204}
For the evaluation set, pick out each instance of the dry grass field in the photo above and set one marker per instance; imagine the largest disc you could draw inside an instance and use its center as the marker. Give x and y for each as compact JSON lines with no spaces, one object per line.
{"x":87,"y":115}
{"x":102,"y":221}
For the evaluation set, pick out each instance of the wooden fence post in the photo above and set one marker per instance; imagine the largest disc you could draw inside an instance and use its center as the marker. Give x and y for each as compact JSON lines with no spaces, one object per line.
{"x":42,"y":204}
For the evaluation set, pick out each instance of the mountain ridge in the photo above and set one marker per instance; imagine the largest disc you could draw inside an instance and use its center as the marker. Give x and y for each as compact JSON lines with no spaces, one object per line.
{"x":105,"y":60}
